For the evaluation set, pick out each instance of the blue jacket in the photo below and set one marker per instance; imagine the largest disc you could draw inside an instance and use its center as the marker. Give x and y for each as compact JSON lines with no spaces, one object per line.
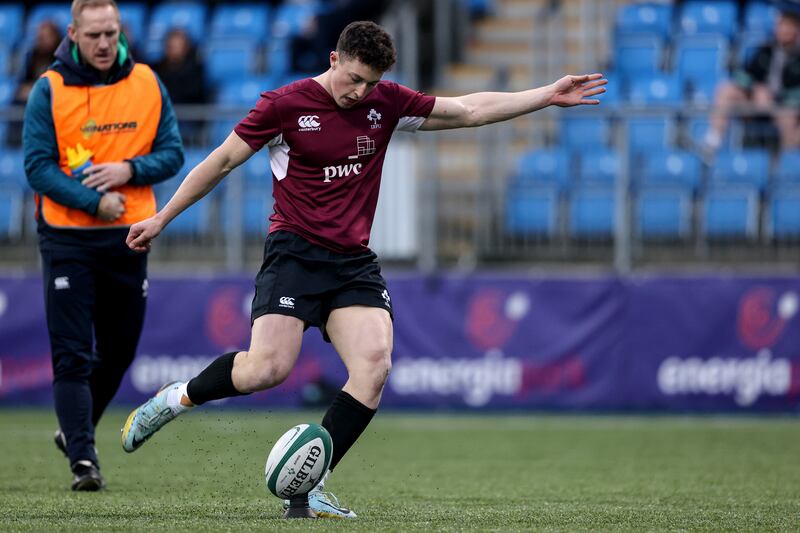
{"x":41,"y":147}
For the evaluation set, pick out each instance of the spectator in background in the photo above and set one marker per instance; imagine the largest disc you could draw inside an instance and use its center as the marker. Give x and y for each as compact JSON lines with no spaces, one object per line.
{"x":311,"y":46}
{"x":38,"y":58}
{"x":183,"y":74}
{"x":770,"y":77}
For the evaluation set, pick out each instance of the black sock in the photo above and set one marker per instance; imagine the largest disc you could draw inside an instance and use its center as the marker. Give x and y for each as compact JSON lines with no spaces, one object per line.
{"x":346,"y":420}
{"x":213,"y":383}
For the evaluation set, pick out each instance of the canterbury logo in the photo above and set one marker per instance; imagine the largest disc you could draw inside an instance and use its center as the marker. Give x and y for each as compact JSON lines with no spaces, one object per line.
{"x":286,"y":301}
{"x":309,"y":123}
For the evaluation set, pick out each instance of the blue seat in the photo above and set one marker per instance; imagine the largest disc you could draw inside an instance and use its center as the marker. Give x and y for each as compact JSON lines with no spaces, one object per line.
{"x":591,"y":211}
{"x":292,"y":17}
{"x":12,"y":168}
{"x":195,"y":220}
{"x":257,"y":170}
{"x":220,"y":129}
{"x":188,"y":16}
{"x":645,"y":18}
{"x":749,"y":43}
{"x":787,"y":169}
{"x":583,"y":132}
{"x":278,"y":57}
{"x":228,"y":60}
{"x":256,"y":211}
{"x":700,"y":60}
{"x":544,"y":166}
{"x":245,"y":92}
{"x":7,"y":90}
{"x":241,"y":21}
{"x":649,"y":133}
{"x":783,"y":221}
{"x":599,"y":166}
{"x":6,"y":61}
{"x":11,"y":17}
{"x":532,"y":210}
{"x":730,"y":212}
{"x":672,"y":168}
{"x":11,"y":204}
{"x":663,"y":90}
{"x":664,"y":212}
{"x":697,"y":128}
{"x":749,"y":167}
{"x":709,"y":16}
{"x":59,"y":13}
{"x":638,"y":55}
{"x":133,"y":16}
{"x":759,"y":17}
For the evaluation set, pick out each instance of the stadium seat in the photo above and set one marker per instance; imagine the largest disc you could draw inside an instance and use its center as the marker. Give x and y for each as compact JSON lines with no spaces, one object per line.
{"x":749,"y":167}
{"x":241,"y":21}
{"x":12,"y":169}
{"x":57,"y":12}
{"x":598,"y":166}
{"x":662,"y":90}
{"x":7,"y":90}
{"x":189,"y":16}
{"x":730,"y":212}
{"x":748,"y":44}
{"x":11,"y":18}
{"x":783,"y":220}
{"x":245,"y":92}
{"x":256,"y":211}
{"x":220,"y":129}
{"x":291,"y":17}
{"x":133,"y":16}
{"x":671,"y":168}
{"x":11,"y":202}
{"x":645,"y":18}
{"x":709,"y":16}
{"x":700,"y":57}
{"x":195,"y":220}
{"x":229,"y":60}
{"x":787,"y":169}
{"x":697,"y":127}
{"x":649,"y":133}
{"x":532,"y":210}
{"x":759,"y":17}
{"x":257,"y":170}
{"x":591,"y":212}
{"x":663,"y":212}
{"x":278,"y":57}
{"x":6,"y":61}
{"x":544,"y":166}
{"x":638,"y":55}
{"x":583,"y":132}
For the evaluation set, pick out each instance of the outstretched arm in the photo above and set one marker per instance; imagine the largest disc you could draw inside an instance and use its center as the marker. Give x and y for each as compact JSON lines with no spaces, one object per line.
{"x":478,"y":109}
{"x":199,"y":182}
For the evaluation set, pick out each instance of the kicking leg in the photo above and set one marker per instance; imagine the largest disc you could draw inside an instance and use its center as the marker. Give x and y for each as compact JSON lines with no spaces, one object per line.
{"x":274,"y":347}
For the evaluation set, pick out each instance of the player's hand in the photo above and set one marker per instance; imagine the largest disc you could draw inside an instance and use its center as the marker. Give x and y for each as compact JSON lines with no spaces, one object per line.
{"x":141,"y":234}
{"x":111,"y":206}
{"x":107,"y":176}
{"x":578,"y":90}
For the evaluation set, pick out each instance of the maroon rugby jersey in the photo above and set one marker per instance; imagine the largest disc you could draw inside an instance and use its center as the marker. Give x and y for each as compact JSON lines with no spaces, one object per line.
{"x":327,"y":161}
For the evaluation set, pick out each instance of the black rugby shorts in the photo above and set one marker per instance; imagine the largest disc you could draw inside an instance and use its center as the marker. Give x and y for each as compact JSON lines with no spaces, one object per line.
{"x":304,"y":280}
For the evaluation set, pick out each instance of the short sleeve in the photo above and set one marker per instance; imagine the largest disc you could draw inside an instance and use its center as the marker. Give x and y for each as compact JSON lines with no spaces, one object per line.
{"x":414,"y":107}
{"x":262,"y":125}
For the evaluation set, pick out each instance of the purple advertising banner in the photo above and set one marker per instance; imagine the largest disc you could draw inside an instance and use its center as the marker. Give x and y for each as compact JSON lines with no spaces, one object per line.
{"x":480,"y":341}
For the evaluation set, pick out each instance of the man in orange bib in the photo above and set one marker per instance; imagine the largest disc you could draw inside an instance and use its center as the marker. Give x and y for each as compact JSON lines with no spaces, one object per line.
{"x":99,"y":130}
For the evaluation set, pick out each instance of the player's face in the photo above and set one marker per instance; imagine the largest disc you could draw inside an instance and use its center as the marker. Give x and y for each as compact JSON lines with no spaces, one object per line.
{"x":96,"y":32}
{"x":351,"y":80}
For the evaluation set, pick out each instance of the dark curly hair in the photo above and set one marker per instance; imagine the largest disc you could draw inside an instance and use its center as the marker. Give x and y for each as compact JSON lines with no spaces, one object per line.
{"x":369,"y":43}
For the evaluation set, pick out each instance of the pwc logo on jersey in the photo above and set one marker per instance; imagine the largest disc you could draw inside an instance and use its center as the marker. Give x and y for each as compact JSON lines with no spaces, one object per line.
{"x":309,"y":123}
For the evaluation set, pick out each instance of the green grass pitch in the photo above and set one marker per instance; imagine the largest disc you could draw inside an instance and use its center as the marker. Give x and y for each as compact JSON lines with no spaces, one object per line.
{"x":458,"y":472}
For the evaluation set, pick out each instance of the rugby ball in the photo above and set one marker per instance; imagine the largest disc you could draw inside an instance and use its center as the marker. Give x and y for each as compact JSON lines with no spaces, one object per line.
{"x":298,"y":460}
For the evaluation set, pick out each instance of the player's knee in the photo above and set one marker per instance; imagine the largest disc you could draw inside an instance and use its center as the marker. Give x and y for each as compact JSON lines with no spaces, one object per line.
{"x":377,"y":366}
{"x":265,"y":369}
